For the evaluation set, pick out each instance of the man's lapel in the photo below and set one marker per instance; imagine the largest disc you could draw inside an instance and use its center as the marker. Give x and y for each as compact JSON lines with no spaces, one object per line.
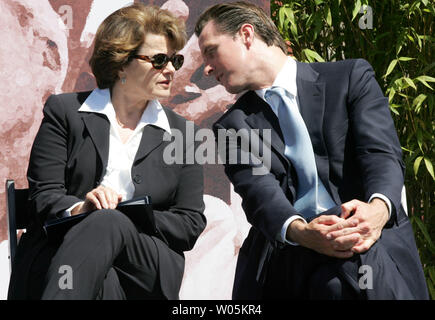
{"x":311,"y":95}
{"x":265,"y":119}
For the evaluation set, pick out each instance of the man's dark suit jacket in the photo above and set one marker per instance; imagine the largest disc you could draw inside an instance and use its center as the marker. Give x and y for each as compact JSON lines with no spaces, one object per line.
{"x":357,"y":153}
{"x":68,"y":159}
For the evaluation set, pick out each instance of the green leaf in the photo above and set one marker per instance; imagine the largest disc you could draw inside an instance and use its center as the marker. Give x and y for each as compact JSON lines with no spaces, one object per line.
{"x":419,"y":42}
{"x":431,"y":289}
{"x":427,"y":78}
{"x":356,"y":9}
{"x":410,"y":82}
{"x":417,"y":165}
{"x":423,"y":80}
{"x":418,"y":101}
{"x":391,"y":95}
{"x":390,"y":67}
{"x":407,"y":150}
{"x":420,"y":139}
{"x":431,"y":270}
{"x":429,"y":167}
{"x":312,"y":55}
{"x":405,"y":58}
{"x":281,"y":17}
{"x":393,"y":110}
{"x":425,"y":233}
{"x":329,"y":17}
{"x":288,"y":12}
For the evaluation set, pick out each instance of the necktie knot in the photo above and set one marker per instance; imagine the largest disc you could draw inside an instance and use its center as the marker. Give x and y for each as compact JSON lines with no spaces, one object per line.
{"x":274,"y":92}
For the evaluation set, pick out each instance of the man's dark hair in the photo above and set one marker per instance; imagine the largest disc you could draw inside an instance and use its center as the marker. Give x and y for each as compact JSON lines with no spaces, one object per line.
{"x":229,"y":17}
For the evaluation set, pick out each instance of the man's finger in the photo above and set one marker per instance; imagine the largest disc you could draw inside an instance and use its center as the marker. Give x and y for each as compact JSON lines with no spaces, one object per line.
{"x":343,"y":224}
{"x":363,"y":247}
{"x":328,"y":219}
{"x":348,"y":207}
{"x":342,"y":232}
{"x":346,"y":242}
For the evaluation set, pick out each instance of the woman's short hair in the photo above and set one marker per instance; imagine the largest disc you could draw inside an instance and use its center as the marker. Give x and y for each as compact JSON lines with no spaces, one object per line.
{"x":122,"y":33}
{"x":229,"y":18}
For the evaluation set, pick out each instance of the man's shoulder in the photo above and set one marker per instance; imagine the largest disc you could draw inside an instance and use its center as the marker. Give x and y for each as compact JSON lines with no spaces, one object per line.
{"x":342,"y":66}
{"x":246,"y":104}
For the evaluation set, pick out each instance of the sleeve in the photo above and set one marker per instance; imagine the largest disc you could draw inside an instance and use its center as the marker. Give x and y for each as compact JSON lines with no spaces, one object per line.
{"x":263,"y":200}
{"x":48,"y":158}
{"x":181,"y":225}
{"x":377,"y":147}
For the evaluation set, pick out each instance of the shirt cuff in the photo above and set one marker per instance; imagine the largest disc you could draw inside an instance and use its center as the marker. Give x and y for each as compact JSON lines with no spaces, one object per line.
{"x":385,"y":199}
{"x":282,"y":235}
{"x":68,"y":211}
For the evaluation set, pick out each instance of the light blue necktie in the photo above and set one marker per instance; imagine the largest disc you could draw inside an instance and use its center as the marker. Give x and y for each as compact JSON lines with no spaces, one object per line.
{"x":299,"y":150}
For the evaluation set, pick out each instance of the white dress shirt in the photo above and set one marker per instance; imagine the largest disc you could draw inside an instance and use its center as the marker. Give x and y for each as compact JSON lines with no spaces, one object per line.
{"x":286,"y":79}
{"x":121,"y":155}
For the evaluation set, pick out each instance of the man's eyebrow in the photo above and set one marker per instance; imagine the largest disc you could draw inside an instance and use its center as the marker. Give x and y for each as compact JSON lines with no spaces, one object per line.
{"x":208,"y":48}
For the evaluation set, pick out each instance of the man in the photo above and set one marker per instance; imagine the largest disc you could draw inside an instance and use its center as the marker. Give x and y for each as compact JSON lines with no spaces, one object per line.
{"x":327,"y":217}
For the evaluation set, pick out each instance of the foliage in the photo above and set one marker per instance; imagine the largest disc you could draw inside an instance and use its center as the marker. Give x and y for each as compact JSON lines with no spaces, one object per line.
{"x":400,"y":46}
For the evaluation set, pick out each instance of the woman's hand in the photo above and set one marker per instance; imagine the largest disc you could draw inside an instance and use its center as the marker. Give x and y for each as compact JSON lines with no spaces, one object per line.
{"x":99,"y":198}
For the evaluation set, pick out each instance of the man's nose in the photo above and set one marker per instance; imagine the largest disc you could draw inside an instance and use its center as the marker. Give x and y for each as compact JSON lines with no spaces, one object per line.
{"x":208,"y":69}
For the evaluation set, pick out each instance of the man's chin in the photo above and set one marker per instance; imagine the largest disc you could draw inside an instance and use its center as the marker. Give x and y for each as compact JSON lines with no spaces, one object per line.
{"x":234,"y":89}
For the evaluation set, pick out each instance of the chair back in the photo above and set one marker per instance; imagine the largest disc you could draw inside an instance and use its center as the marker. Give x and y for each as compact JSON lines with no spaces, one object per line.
{"x":17,"y":207}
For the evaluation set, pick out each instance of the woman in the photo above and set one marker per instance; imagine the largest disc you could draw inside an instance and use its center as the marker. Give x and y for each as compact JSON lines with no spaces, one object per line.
{"x":98,"y":148}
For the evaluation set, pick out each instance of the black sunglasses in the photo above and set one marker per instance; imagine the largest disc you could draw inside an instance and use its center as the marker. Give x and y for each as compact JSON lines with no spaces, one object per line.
{"x":160,"y":60}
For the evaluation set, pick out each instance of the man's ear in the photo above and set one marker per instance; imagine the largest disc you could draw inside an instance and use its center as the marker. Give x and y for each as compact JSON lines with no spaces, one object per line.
{"x":247,"y":33}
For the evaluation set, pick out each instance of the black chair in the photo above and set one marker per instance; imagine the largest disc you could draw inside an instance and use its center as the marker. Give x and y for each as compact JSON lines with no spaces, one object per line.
{"x":17,"y":207}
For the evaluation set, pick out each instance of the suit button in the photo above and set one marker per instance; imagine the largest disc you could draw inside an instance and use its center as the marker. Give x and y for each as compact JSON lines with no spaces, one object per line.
{"x":137,"y":178}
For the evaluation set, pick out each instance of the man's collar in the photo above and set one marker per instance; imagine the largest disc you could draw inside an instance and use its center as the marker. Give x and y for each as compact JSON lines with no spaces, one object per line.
{"x":286,"y":79}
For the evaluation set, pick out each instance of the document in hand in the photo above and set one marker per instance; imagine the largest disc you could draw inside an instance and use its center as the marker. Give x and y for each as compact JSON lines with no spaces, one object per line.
{"x":139,"y":210}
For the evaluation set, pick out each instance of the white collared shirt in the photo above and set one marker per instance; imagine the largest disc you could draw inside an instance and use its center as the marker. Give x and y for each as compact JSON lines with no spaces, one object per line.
{"x":121,"y":155}
{"x":286,"y":79}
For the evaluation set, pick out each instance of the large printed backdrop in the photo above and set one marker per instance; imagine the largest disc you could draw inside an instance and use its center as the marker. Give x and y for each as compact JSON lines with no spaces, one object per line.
{"x":44,"y":49}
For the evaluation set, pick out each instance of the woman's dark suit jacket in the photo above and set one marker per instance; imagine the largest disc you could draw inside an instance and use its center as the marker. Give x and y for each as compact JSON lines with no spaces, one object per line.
{"x":68,"y":159}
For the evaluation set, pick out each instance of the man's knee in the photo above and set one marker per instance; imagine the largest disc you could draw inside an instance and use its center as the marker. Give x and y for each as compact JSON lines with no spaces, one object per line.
{"x":326,"y":284}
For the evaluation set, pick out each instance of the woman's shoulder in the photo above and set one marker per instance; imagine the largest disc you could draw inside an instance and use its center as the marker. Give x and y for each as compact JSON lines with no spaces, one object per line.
{"x":64,"y":105}
{"x":176,"y":120}
{"x":68,"y":100}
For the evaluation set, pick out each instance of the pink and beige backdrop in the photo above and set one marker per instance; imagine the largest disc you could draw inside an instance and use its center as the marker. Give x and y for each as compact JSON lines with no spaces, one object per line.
{"x":44,"y":49}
